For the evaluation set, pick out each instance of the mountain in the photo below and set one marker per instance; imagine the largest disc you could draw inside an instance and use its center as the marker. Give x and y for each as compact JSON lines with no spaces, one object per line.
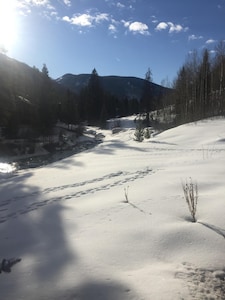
{"x":29,"y":98}
{"x":18,"y":79}
{"x":121,"y":87}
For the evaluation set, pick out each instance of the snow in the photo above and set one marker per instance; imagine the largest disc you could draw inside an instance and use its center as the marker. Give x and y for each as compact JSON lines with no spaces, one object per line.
{"x":79,"y":239}
{"x":6,"y":168}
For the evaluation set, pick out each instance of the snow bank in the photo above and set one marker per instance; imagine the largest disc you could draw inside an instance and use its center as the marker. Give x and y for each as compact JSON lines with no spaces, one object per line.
{"x":79,"y":239}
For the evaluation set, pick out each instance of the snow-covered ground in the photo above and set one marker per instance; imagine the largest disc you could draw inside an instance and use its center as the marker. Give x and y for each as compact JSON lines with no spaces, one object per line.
{"x":79,"y":239}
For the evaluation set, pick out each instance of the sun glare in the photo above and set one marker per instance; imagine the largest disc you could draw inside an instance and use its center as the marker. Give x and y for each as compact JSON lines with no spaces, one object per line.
{"x":8,"y":26}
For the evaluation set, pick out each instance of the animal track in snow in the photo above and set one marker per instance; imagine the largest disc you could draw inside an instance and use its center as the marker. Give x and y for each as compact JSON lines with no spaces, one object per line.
{"x":119,"y":178}
{"x":203,"y":284}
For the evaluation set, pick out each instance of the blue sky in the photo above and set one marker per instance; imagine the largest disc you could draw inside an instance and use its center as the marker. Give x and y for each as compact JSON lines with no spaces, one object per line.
{"x":116,"y":37}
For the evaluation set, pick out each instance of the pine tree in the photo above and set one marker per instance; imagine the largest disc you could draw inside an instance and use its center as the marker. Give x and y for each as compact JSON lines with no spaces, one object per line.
{"x":94,"y":99}
{"x":139,"y":132}
{"x":45,"y":70}
{"x":146,"y":101}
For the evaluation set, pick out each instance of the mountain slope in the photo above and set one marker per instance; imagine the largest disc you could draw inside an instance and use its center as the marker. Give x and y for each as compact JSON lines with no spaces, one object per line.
{"x":121,"y":87}
{"x":29,"y":97}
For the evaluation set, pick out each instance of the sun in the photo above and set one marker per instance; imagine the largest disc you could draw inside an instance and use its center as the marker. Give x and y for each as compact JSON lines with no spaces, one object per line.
{"x":8,"y":28}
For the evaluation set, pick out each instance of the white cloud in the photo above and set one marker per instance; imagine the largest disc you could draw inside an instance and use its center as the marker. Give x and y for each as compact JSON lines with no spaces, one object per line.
{"x":113,"y":21}
{"x":81,"y":20}
{"x":154,"y":19}
{"x":67,"y":2}
{"x":210,"y":41}
{"x":173,"y":28}
{"x":25,"y":7}
{"x":126,"y":23}
{"x":86,"y":19}
{"x":120,"y":5}
{"x":38,"y":2}
{"x":161,"y":26}
{"x":66,"y":19}
{"x":55,"y":15}
{"x":43,"y":3}
{"x":112,"y":28}
{"x":194,"y":37}
{"x":137,"y":27}
{"x":101,"y":17}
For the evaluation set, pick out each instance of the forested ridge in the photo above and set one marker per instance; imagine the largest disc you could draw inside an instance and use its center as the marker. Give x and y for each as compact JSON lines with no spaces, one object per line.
{"x":30,"y":99}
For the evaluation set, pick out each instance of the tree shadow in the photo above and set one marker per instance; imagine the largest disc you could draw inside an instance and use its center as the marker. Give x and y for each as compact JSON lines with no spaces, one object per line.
{"x":111,"y":147}
{"x":100,"y":290}
{"x":32,"y":228}
{"x":32,"y":233}
{"x":162,"y":143}
{"x":66,"y":163}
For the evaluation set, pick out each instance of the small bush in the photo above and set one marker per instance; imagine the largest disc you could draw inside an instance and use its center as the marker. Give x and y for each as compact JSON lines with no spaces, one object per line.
{"x":190,"y":190}
{"x":139,"y":134}
{"x":147,"y":133}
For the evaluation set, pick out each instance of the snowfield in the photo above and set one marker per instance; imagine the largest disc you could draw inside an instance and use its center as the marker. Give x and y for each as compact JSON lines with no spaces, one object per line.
{"x":80,"y":240}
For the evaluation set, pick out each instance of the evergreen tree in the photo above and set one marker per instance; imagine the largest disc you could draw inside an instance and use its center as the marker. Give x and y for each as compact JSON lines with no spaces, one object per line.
{"x":139,"y":132}
{"x":45,"y":70}
{"x":146,"y":101}
{"x":94,"y":100}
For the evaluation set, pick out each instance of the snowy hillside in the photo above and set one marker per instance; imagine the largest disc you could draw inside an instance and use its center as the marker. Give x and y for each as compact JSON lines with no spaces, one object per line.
{"x":79,"y":238}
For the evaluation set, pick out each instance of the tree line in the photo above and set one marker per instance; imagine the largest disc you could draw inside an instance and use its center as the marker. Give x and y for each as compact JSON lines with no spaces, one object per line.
{"x":199,"y":89}
{"x":31,"y":102}
{"x":30,"y":99}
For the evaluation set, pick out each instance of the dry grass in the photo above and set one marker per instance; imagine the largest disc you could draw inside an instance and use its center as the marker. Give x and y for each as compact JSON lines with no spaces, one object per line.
{"x":190,"y":190}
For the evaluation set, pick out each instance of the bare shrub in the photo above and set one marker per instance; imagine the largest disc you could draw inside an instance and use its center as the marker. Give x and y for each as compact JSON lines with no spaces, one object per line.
{"x":190,"y":190}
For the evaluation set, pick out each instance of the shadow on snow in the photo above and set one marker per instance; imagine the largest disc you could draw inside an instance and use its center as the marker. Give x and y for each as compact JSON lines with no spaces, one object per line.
{"x":36,"y":234}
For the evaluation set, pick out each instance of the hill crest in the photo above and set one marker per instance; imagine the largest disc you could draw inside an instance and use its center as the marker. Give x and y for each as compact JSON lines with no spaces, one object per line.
{"x":120,"y":86}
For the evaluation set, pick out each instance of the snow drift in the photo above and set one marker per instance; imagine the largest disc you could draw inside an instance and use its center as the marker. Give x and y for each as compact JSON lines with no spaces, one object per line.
{"x":79,"y":238}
